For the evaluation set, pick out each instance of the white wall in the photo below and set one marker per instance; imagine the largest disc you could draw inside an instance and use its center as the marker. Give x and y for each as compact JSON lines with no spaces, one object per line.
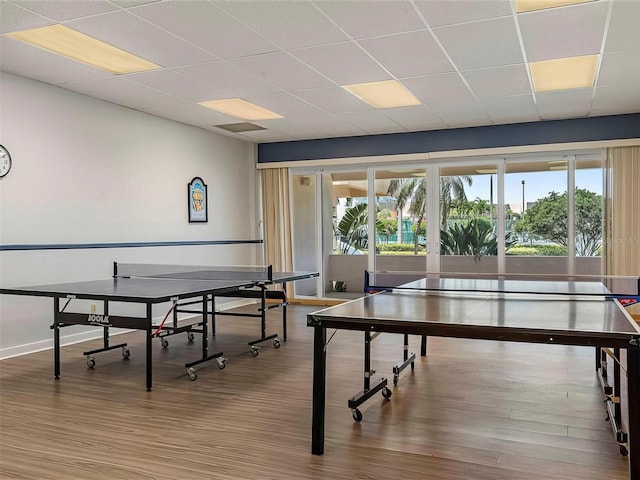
{"x":87,"y":171}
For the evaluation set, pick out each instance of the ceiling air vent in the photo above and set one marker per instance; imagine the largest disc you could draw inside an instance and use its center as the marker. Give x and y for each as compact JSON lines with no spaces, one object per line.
{"x":240,"y":127}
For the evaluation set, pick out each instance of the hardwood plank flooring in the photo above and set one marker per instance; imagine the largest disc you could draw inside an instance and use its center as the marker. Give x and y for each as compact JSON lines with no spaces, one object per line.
{"x":471,"y":410}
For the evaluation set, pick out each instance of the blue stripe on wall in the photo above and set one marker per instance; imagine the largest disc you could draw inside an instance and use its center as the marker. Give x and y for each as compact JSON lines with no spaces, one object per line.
{"x":82,"y":246}
{"x":616,"y":127}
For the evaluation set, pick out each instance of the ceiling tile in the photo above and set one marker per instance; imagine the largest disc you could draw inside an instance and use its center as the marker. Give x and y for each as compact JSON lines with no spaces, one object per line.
{"x":564,"y":104}
{"x":226,"y":76}
{"x":285,"y":104}
{"x":68,"y":9}
{"x":334,"y":100}
{"x":119,"y":90}
{"x":131,"y":3}
{"x":266,"y":136}
{"x":415,"y":118}
{"x":297,"y":129}
{"x":13,"y":18}
{"x":623,"y":33}
{"x":177,"y":85}
{"x":344,"y":63}
{"x":616,"y":100}
{"x":488,"y":43}
{"x":134,"y":35}
{"x":372,"y":122}
{"x":206,"y":26}
{"x":408,"y":54}
{"x":448,"y":12}
{"x":366,"y":19}
{"x":511,"y":109}
{"x":282,"y":70}
{"x":620,"y":68}
{"x":444,"y":88}
{"x":563,"y":32}
{"x":193,"y":114}
{"x":499,"y":81}
{"x":459,"y":117}
{"x":289,"y":23}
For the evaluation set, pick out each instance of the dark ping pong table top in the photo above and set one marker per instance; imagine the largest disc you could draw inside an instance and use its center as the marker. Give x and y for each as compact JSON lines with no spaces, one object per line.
{"x":151,"y":289}
{"x":489,"y":311}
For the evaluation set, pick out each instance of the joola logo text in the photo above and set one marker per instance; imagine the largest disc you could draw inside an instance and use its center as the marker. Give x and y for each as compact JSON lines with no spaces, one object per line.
{"x":98,"y":319}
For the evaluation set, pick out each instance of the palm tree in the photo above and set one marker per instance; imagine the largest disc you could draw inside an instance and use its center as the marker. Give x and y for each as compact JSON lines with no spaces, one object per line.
{"x":451,"y":188}
{"x":480,"y":207}
{"x":414,"y":192}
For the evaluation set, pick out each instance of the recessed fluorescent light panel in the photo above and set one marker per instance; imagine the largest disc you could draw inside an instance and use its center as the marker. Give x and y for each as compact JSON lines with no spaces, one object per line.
{"x":564,"y":73}
{"x":531,"y":5}
{"x":237,"y":107}
{"x":83,"y":48}
{"x":385,"y":94}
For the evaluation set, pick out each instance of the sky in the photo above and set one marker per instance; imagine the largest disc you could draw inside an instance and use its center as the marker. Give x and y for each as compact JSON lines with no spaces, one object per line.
{"x":536,"y":185}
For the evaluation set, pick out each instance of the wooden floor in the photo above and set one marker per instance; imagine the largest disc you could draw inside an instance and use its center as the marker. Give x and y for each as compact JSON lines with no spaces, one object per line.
{"x":470,"y":410}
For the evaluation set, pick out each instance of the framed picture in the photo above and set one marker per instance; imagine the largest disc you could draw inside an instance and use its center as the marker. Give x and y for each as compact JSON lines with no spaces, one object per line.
{"x":197,"y":200}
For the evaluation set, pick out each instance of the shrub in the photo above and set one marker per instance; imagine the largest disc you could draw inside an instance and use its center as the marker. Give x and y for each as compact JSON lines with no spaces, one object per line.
{"x":538,"y":250}
{"x":396,"y":247}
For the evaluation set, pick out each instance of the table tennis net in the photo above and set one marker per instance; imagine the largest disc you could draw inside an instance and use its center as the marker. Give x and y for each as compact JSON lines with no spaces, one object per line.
{"x":589,"y":285}
{"x":194,"y":272}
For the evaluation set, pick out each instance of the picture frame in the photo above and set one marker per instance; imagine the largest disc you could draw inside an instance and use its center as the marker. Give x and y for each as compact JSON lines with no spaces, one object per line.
{"x":197,"y":201}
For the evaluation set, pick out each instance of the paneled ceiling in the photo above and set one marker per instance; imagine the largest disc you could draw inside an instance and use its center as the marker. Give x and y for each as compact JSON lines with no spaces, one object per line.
{"x":466,"y":60}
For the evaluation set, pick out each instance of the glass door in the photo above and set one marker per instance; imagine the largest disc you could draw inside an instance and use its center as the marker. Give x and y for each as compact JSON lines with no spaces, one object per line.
{"x":467,"y":219}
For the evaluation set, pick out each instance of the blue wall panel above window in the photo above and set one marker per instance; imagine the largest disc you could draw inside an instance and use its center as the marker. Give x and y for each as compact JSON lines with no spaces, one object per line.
{"x":616,"y":127}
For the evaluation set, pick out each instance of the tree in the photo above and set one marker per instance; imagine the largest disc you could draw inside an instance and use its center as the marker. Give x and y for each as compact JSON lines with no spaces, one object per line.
{"x":413,"y":192}
{"x":480,"y":207}
{"x":473,"y":237}
{"x":353,"y":228}
{"x":548,"y":218}
{"x":451,"y":188}
{"x":390,"y":224}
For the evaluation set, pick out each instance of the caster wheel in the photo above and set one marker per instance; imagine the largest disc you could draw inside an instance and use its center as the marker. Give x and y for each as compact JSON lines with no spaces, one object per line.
{"x":192,"y":374}
{"x":91,"y":362}
{"x":126,"y":353}
{"x":254,"y":351}
{"x":607,"y":418}
{"x":222,"y":362}
{"x":276,"y":343}
{"x":357,"y":415}
{"x":623,"y":451}
{"x":395,"y":379}
{"x":164,"y":343}
{"x":386,"y":393}
{"x":190,"y":337}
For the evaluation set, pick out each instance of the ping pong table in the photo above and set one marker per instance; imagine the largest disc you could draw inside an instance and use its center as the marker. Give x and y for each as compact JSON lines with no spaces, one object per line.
{"x":549,"y":312}
{"x":149,"y":285}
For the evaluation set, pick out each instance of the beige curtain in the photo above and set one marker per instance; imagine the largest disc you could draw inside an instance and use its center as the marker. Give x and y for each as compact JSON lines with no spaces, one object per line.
{"x":276,"y":217}
{"x":622,"y":213}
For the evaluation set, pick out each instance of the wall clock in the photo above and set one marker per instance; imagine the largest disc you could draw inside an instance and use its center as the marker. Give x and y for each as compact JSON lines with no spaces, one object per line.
{"x":5,"y":161}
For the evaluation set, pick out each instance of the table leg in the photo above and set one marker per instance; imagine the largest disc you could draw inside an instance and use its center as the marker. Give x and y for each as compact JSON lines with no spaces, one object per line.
{"x":319,"y":390}
{"x":149,"y":346}
{"x":205,"y":332}
{"x":633,"y":386}
{"x":56,"y":338}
